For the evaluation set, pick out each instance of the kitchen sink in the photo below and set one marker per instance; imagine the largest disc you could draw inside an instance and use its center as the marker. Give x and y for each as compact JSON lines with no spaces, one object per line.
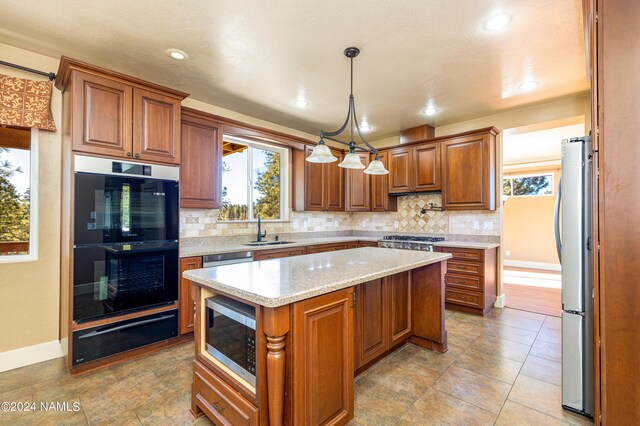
{"x":268,"y":243}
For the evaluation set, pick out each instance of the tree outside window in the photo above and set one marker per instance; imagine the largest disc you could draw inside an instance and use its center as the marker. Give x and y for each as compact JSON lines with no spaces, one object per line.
{"x":531,"y":185}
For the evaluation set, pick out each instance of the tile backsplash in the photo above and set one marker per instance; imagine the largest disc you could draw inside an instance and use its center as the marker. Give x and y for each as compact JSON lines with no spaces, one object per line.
{"x":204,"y":223}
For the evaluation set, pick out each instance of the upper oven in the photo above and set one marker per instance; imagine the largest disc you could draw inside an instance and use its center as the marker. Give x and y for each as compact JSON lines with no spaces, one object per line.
{"x":119,"y":202}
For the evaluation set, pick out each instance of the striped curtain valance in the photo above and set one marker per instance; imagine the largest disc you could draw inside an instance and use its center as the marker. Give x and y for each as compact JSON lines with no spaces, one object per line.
{"x":26,"y":103}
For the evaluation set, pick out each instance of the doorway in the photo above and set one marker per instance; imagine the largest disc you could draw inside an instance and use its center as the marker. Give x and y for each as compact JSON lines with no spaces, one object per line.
{"x":531,"y":170}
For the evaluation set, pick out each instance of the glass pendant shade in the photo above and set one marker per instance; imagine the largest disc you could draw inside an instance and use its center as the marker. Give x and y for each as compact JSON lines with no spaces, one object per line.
{"x":376,"y":168}
{"x":321,"y":154}
{"x":351,"y":161}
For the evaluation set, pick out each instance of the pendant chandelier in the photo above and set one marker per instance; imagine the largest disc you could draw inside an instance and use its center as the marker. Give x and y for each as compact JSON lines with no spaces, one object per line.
{"x":322,"y":154}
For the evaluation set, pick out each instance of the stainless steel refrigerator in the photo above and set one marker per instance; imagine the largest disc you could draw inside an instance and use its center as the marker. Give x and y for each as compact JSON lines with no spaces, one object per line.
{"x":573,"y":229}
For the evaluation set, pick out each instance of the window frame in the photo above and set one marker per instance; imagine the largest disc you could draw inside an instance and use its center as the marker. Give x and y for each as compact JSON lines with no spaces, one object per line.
{"x":33,"y":206}
{"x":516,"y":176}
{"x":285,"y":179}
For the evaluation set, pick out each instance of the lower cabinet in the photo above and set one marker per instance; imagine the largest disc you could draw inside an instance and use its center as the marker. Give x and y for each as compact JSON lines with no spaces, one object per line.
{"x":358,"y":244}
{"x":383,"y":316}
{"x":187,"y":301}
{"x":323,"y":359}
{"x":321,"y":248}
{"x":221,"y":402}
{"x":279,"y":253}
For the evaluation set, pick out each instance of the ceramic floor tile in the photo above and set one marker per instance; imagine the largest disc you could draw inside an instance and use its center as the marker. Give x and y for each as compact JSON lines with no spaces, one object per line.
{"x":174,"y":410}
{"x":20,"y":377}
{"x":424,"y":358}
{"x":544,"y":397}
{"x":69,"y":387}
{"x":128,"y":418}
{"x":550,"y":335}
{"x":462,"y":327}
{"x":437,"y":408}
{"x":403,"y":377}
{"x":501,"y":347}
{"x":473,"y":388}
{"x":516,"y":414}
{"x":522,"y":319}
{"x":503,"y":369}
{"x":21,"y":395}
{"x":379,"y":405}
{"x":543,"y":369}
{"x":514,"y":334}
{"x":547,"y":350}
{"x":554,"y":323}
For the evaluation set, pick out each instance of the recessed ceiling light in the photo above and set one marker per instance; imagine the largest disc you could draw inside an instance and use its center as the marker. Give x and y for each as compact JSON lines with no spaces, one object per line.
{"x":365,"y":126}
{"x":497,"y":22}
{"x":430,"y":110}
{"x":300,"y":103}
{"x":529,"y":86}
{"x":177,"y":54}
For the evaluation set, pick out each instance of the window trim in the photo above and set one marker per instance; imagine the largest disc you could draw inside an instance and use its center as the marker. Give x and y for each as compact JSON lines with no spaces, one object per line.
{"x":32,"y":256}
{"x":285,"y":184}
{"x":515,"y":176}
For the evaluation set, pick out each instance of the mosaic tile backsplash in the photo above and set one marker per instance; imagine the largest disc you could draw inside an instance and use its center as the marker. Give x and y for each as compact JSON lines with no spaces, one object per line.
{"x":204,"y":223}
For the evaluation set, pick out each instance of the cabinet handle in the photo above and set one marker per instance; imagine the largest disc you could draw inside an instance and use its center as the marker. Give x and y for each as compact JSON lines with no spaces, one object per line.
{"x":137,"y":155}
{"x":129,"y":154}
{"x":217,"y":407}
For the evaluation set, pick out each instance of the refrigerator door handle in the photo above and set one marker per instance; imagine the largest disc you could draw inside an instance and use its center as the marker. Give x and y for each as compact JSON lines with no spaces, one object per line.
{"x":556,"y":220}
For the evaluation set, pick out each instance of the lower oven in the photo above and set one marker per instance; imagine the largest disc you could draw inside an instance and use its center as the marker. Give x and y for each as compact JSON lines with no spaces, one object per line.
{"x":112,"y":279}
{"x":231,"y":335}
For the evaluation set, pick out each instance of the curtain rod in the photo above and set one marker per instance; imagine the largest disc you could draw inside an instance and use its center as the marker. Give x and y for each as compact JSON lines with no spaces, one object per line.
{"x":50,"y":75}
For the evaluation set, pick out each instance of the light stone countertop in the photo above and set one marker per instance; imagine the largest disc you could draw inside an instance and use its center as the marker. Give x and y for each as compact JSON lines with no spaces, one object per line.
{"x":278,"y":282}
{"x":202,"y":250}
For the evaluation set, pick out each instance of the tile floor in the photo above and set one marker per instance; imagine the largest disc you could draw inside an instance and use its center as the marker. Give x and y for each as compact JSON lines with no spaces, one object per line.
{"x":502,"y":369}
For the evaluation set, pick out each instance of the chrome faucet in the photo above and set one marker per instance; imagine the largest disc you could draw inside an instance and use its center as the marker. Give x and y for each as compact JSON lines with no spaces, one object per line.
{"x":261,"y":235}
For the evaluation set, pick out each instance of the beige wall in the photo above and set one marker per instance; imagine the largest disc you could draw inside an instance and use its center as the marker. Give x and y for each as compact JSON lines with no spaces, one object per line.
{"x":29,"y":291}
{"x":528,"y":224}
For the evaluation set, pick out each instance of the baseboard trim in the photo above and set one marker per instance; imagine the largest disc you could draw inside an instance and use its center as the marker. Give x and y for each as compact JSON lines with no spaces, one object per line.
{"x":22,"y":357}
{"x":500,"y":302}
{"x":532,"y":265}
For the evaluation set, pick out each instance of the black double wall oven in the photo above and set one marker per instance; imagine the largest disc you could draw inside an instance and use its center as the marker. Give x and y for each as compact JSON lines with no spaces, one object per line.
{"x":125,"y":254}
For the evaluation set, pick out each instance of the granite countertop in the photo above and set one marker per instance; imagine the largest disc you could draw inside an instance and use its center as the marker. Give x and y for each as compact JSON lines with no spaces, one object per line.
{"x":201,"y":250}
{"x":278,"y":282}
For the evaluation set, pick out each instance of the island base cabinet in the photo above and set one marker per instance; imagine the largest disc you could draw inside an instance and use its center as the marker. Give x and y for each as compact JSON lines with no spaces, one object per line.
{"x":220,"y":402}
{"x":323,"y":359}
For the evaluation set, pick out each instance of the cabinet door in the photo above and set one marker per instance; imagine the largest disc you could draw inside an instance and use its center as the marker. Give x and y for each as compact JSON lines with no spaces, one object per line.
{"x":278,"y":253}
{"x":371,"y":332}
{"x":427,"y":167}
{"x":399,"y":305}
{"x":187,"y":300}
{"x":380,"y":200}
{"x":400,"y":170}
{"x":321,"y":248}
{"x":323,"y":359}
{"x":156,"y":130}
{"x":358,"y":188}
{"x":102,"y":111}
{"x":201,"y":163}
{"x":334,"y":185}
{"x":468,"y":170}
{"x":314,"y":184}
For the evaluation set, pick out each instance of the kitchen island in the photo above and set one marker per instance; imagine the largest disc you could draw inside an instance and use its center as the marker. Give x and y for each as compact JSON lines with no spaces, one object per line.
{"x":313,"y":321}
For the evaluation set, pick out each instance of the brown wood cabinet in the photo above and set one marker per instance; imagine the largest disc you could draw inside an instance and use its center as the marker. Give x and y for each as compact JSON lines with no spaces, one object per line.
{"x":119,"y":116}
{"x":201,"y":161}
{"x":278,"y":253}
{"x":468,"y":172}
{"x":358,"y":244}
{"x":358,"y":187}
{"x":414,"y":168}
{"x":316,"y":186}
{"x":321,"y":248}
{"x":323,"y":359}
{"x":470,"y":281}
{"x":418,"y":133}
{"x":380,"y":199}
{"x":186,"y":295}
{"x":399,"y":297}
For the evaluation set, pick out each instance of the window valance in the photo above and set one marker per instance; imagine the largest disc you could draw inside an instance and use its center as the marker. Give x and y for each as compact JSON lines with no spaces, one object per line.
{"x":26,"y":103}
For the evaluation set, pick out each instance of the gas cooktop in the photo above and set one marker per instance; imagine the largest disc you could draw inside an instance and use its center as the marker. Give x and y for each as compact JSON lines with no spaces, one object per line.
{"x":412,"y":238}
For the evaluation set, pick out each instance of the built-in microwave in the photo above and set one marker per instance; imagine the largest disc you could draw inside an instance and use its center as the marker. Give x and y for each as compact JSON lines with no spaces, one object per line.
{"x":231,"y":335}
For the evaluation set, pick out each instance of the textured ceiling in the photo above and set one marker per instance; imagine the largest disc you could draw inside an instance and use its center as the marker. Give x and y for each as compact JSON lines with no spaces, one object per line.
{"x":255,"y":57}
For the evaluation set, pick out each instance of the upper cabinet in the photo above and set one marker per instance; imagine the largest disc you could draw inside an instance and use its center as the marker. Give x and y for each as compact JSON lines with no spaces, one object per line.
{"x":115,"y":115}
{"x":380,"y":199}
{"x":414,"y":168}
{"x":201,"y":161}
{"x":317,"y":186}
{"x":468,"y":170}
{"x":358,"y":187}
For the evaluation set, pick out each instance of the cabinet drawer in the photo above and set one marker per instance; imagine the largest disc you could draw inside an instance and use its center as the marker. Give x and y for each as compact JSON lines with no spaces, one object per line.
{"x":465,"y":282}
{"x":277,"y":254}
{"x":472,"y":255}
{"x":326,"y":247}
{"x":459,"y":297}
{"x":464,"y":267}
{"x":221,"y":402}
